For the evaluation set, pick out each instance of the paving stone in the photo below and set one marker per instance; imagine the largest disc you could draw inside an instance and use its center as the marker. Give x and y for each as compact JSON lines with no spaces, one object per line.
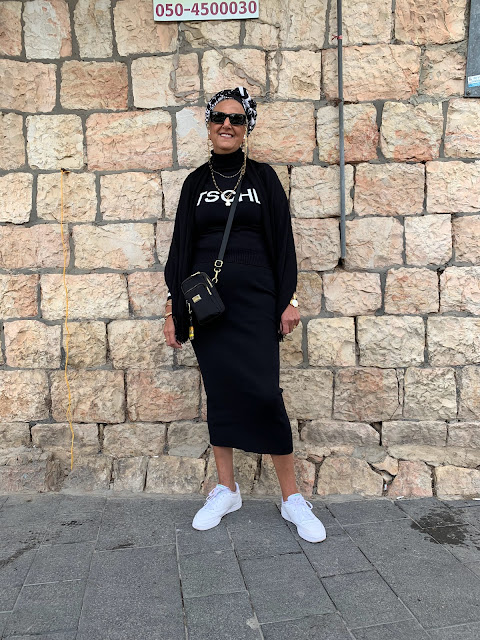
{"x":62,"y":635}
{"x":254,"y":540}
{"x":263,"y":512}
{"x":265,"y":579}
{"x":224,"y":616}
{"x":132,"y":593}
{"x":429,"y":512}
{"x":326,"y":627}
{"x":407,"y":630}
{"x":462,"y":503}
{"x":364,"y":599}
{"x":72,"y":528}
{"x":43,"y":608}
{"x":72,"y":504}
{"x":461,"y":540}
{"x":53,"y":563}
{"x":3,"y":620}
{"x":8,"y":597}
{"x":472,"y":516}
{"x":365,"y":511}
{"x":14,"y":566}
{"x":21,"y":537}
{"x":208,"y":573}
{"x":462,"y":632}
{"x":334,"y":556}
{"x":24,"y":510}
{"x":190,"y":540}
{"x":475,"y":567}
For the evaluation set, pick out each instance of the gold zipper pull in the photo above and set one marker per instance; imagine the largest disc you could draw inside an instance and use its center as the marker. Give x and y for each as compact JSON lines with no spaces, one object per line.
{"x":190,"y":328}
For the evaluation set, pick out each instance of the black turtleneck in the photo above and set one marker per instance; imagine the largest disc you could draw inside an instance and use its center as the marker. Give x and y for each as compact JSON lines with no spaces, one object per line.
{"x":246,"y":242}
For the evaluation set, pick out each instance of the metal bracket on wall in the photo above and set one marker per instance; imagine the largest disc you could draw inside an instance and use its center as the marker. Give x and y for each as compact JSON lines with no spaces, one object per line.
{"x":472,"y":80}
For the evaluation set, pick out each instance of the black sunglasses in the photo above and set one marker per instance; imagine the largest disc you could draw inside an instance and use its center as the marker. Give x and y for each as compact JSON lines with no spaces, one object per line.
{"x":218,"y":117}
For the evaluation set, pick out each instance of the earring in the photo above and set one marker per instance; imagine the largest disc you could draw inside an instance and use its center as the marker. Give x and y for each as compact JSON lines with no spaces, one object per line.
{"x":209,"y":143}
{"x":245,"y":144}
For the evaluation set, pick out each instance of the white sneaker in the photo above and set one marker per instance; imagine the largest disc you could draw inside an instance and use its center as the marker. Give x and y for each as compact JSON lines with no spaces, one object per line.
{"x":220,"y":500}
{"x":299,"y":511}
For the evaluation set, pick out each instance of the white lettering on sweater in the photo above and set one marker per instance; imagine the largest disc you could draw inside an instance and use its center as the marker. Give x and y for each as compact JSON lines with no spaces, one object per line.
{"x":213,"y":196}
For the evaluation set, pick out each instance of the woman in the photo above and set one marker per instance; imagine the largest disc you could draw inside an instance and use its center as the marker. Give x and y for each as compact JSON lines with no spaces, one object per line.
{"x":238,"y":354}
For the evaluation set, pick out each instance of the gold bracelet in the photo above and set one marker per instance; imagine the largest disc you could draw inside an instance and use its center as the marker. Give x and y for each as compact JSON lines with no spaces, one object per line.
{"x":168,"y":314}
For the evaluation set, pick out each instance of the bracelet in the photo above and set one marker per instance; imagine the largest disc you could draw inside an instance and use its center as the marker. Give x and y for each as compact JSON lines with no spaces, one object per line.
{"x":168,"y":314}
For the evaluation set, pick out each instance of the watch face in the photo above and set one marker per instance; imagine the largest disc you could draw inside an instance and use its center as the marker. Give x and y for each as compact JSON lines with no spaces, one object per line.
{"x":294,"y":303}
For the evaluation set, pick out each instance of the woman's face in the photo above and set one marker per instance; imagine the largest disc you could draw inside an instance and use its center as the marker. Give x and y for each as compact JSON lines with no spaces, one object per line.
{"x":227,"y":138}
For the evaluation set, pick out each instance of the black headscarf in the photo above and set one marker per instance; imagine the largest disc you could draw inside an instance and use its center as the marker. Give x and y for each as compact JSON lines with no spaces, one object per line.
{"x":240,"y":94}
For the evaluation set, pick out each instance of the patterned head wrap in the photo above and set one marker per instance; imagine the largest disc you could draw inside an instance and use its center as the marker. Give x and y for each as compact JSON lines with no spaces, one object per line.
{"x":240,"y":94}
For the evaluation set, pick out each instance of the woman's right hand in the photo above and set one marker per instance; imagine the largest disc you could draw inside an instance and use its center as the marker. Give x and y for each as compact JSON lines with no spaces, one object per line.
{"x":169,"y":333}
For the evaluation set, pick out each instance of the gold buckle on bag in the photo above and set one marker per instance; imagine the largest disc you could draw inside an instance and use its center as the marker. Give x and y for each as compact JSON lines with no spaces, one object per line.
{"x":217,"y":267}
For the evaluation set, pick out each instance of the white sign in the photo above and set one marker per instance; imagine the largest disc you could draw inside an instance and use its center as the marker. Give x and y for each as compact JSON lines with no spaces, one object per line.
{"x":187,"y":10}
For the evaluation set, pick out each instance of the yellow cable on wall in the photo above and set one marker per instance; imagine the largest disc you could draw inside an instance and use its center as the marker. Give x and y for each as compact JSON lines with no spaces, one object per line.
{"x":65,"y":253}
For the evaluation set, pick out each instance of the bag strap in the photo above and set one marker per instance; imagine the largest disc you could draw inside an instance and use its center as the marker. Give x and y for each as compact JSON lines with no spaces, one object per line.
{"x":217,"y":265}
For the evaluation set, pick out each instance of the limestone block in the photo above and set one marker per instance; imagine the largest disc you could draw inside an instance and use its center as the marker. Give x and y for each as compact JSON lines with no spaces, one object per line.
{"x":291,"y":353}
{"x":391,"y":341}
{"x":324,"y":437}
{"x":366,"y":393}
{"x":94,"y":85}
{"x":55,"y":142}
{"x":453,"y":482}
{"x":421,"y":22}
{"x":437,"y":456}
{"x":409,"y":432}
{"x":163,"y":395}
{"x":137,"y":32}
{"x":129,"y":473}
{"x":174,"y":474}
{"x":460,"y":289}
{"x":373,"y":243}
{"x":27,"y":86}
{"x":344,"y":475}
{"x":307,"y":393}
{"x":464,"y":434}
{"x":32,"y":247}
{"x":317,"y":243}
{"x":430,"y":394}
{"x":23,"y":396}
{"x":428,"y":239}
{"x":11,"y":32}
{"x":96,"y":396}
{"x":47,"y":29}
{"x":391,"y":71}
{"x":443,"y":71}
{"x":89,"y":473}
{"x":57,"y":440}
{"x":12,"y":143}
{"x":127,"y":245}
{"x":26,"y":470}
{"x":134,"y":140}
{"x":352,"y":293}
{"x":165,"y":81}
{"x":331,"y":342}
{"x":413,"y":290}
{"x":466,"y":238}
{"x":391,"y":189}
{"x":93,"y":28}
{"x":210,"y":33}
{"x":31,"y":344}
{"x":138,"y":344}
{"x":18,"y":295}
{"x":284,"y":177}
{"x":453,"y":187}
{"x":367,"y":22}
{"x":295,"y":74}
{"x":285,"y":132}
{"x":134,"y":439}
{"x":414,"y":480}
{"x":244,"y":470}
{"x":462,"y":135}
{"x":16,"y":197}
{"x":316,"y":191}
{"x":361,"y":133}
{"x":147,"y":293}
{"x":453,"y":340}
{"x":87,"y":344}
{"x":79,"y":197}
{"x":222,"y":68}
{"x":14,"y":434}
{"x":411,"y":132}
{"x":131,"y":195}
{"x":470,"y":393}
{"x":186,"y":358}
{"x":190,"y":439}
{"x":267,"y":482}
{"x":309,"y":293}
{"x":191,"y":137}
{"x":91,"y":296}
{"x":172,"y":182}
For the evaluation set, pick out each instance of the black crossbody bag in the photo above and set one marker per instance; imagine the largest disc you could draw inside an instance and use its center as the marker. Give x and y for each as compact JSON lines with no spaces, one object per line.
{"x":201,"y":295}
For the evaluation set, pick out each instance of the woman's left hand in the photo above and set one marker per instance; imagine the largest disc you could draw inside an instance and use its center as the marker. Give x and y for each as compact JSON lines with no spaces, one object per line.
{"x":289,"y":320}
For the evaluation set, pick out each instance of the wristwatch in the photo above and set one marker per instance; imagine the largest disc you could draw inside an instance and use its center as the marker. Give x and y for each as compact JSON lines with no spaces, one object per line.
{"x":294,"y":301}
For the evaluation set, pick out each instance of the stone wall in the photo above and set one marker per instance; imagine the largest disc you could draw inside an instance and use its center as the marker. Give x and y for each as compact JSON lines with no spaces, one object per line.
{"x":382,"y":377}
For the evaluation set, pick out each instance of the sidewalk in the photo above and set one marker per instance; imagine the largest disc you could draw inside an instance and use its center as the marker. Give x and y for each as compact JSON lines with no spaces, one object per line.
{"x":118,"y":567}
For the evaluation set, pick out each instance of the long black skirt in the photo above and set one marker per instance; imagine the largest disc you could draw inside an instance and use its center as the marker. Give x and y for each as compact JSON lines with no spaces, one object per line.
{"x":238,"y":356}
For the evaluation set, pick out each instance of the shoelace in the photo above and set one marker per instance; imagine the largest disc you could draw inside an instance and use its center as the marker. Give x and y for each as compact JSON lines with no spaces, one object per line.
{"x":213,"y":493}
{"x":303,"y":507}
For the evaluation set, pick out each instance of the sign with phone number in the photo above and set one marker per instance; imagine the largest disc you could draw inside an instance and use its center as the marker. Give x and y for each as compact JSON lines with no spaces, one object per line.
{"x":188,"y":10}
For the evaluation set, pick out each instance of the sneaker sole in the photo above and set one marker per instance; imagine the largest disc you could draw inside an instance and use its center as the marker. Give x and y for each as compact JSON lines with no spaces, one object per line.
{"x":305,"y":536}
{"x":210,"y":526}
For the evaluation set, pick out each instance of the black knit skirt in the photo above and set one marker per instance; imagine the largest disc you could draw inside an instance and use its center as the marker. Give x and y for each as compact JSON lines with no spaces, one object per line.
{"x":238,"y":356}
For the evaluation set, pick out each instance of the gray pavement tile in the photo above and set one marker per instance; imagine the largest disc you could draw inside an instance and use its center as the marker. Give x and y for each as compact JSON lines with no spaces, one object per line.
{"x":57,"y":562}
{"x":430,"y":512}
{"x":190,"y":540}
{"x":255,"y":540}
{"x":463,"y":541}
{"x":470,"y":515}
{"x":475,"y":567}
{"x":65,"y":528}
{"x":327,"y":627}
{"x":61,"y":635}
{"x":365,"y":511}
{"x":408,"y":630}
{"x":3,"y":621}
{"x":208,"y":573}
{"x":43,"y":608}
{"x":262,"y":512}
{"x":284,"y":587}
{"x":22,"y":510}
{"x":127,"y":523}
{"x":22,"y":536}
{"x":8,"y":596}
{"x":335,"y":555}
{"x":462,"y":632}
{"x":3,"y":499}
{"x":133,"y":593}
{"x":14,"y":565}
{"x":182,"y":511}
{"x":225,"y":616}
{"x":364,"y":599}
{"x":462,"y":503}
{"x":76,"y":505}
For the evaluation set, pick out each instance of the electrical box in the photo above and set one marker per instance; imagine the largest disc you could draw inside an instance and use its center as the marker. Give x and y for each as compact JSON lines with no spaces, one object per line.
{"x":472,"y":80}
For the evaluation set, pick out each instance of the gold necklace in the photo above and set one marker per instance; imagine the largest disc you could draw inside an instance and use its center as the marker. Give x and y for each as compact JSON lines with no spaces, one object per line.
{"x":232,"y":176}
{"x":228,"y":200}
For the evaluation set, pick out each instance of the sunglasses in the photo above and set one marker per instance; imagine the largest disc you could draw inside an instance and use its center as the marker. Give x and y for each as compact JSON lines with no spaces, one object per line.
{"x":218,"y":117}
